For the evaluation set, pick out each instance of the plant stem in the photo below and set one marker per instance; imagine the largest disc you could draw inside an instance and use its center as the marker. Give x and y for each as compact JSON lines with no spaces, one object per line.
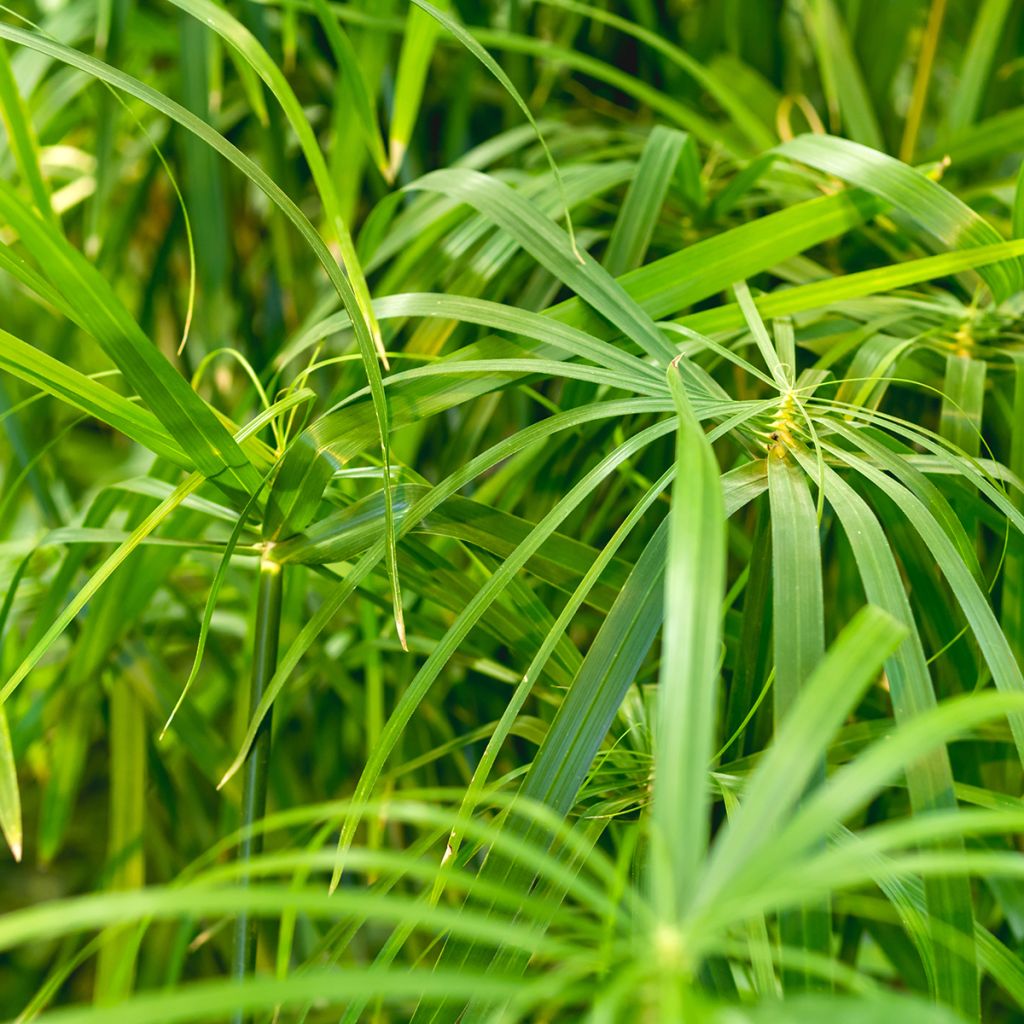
{"x":929,"y":42}
{"x":254,"y":783}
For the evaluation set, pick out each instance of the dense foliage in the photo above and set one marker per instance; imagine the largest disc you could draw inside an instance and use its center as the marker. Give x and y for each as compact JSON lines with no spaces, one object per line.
{"x":511,"y":510}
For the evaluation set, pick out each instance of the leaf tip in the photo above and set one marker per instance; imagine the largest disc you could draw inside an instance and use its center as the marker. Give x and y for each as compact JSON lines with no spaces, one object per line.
{"x":400,"y":627}
{"x":397,"y":155}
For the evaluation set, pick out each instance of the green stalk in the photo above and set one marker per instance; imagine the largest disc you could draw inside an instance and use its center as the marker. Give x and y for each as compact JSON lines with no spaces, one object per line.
{"x":254,"y":783}
{"x":922,"y":77}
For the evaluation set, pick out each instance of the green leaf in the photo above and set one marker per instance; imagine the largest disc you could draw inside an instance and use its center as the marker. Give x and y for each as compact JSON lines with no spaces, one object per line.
{"x":798,"y":613}
{"x":976,"y":68}
{"x":1017,"y":213}
{"x":844,"y":85}
{"x":977,"y":609}
{"x":798,"y":616}
{"x":22,"y":139}
{"x":832,"y":692}
{"x":350,"y":294}
{"x":557,"y":338}
{"x":783,"y":378}
{"x":418,"y":41}
{"x":67,"y":614}
{"x":718,"y":87}
{"x":414,"y":693}
{"x":82,"y":392}
{"x":535,"y":433}
{"x":936,"y":211}
{"x":834,"y":290}
{"x":551,"y":248}
{"x":639,"y":213}
{"x":878,"y":1008}
{"x":242,"y":40}
{"x":185,"y":416}
{"x":347,"y":59}
{"x":10,"y":799}
{"x":585,"y":715}
{"x":116,"y":964}
{"x":661,"y":287}
{"x":930,"y":778}
{"x":687,"y":702}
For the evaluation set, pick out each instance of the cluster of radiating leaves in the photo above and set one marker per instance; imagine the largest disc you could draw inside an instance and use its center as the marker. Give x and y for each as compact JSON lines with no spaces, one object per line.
{"x":646,"y":481}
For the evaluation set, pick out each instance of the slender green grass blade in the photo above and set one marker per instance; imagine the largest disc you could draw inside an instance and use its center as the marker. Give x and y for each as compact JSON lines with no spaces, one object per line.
{"x":418,"y":41}
{"x":977,"y":64}
{"x":638,"y":216}
{"x":844,"y":84}
{"x":22,"y":138}
{"x":937,"y":211}
{"x":10,"y":798}
{"x":688,"y":678}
